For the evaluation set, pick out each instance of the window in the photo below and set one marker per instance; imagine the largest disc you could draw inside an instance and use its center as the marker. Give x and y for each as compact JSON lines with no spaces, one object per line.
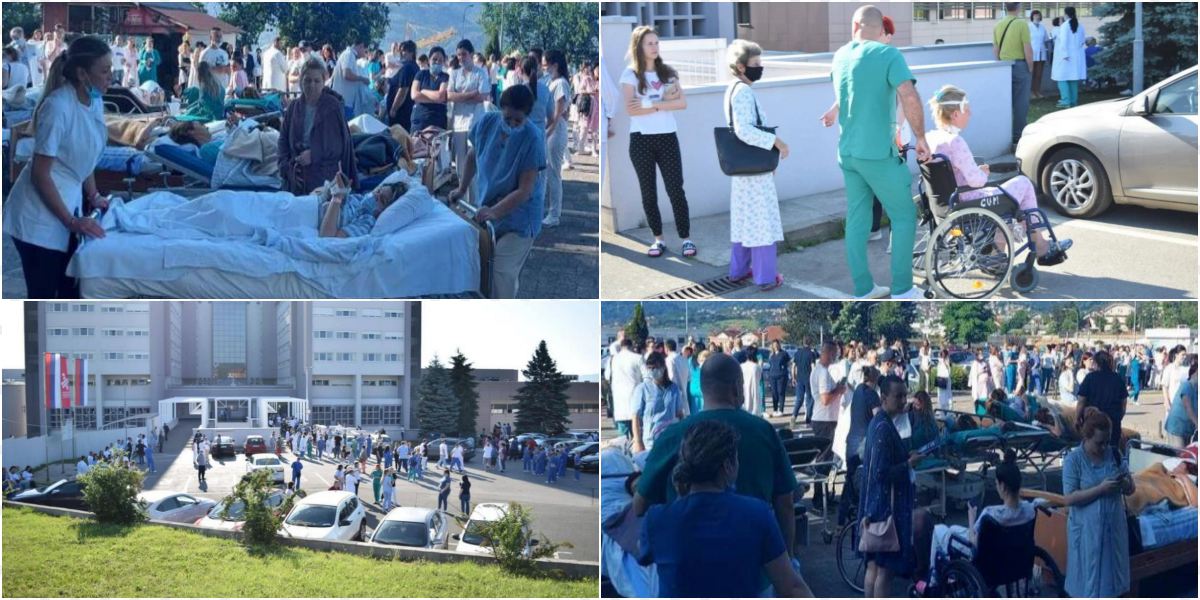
{"x":112,"y":308}
{"x":320,"y":383}
{"x":84,"y":331}
{"x":229,"y":340}
{"x":392,"y":414}
{"x":58,"y":331}
{"x":372,"y":414}
{"x":922,"y":11}
{"x":742,"y":10}
{"x":343,"y":414}
{"x":345,"y":335}
{"x":984,"y":11}
{"x":345,"y":356}
{"x":138,"y":332}
{"x":371,"y":357}
{"x":1179,"y":98}
{"x":322,"y":415}
{"x":954,"y":11}
{"x":83,"y":308}
{"x":321,"y":311}
{"x":322,"y":334}
{"x":114,"y":356}
{"x":114,"y":418}
{"x":370,"y":312}
{"x":137,"y":356}
{"x":380,"y":383}
{"x":372,"y":336}
{"x":112,"y":332}
{"x":393,"y":314}
{"x":323,"y":356}
{"x":85,"y":417}
{"x":393,"y":336}
{"x":59,"y":307}
{"x":391,"y":358}
{"x":1083,"y":9}
{"x":345,"y":312}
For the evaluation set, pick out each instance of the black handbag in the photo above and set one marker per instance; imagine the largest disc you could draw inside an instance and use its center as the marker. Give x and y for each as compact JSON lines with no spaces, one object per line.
{"x":738,"y":157}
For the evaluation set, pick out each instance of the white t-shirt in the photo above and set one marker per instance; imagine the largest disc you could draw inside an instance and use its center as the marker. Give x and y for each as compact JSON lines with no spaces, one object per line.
{"x":458,"y":452}
{"x":346,"y":63}
{"x":560,"y":89}
{"x":392,"y":63}
{"x":463,"y":81}
{"x":822,"y":383}
{"x":18,"y":75}
{"x":74,"y":135}
{"x":274,"y":66}
{"x":659,"y":122}
{"x":626,"y":375}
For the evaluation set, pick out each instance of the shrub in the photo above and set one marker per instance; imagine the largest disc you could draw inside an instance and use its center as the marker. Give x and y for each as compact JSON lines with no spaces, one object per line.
{"x":958,"y":378}
{"x":511,"y":535}
{"x":262,"y":522}
{"x":111,"y":490}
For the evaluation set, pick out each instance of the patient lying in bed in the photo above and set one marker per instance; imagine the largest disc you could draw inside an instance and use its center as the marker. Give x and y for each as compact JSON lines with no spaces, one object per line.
{"x":344,"y":214}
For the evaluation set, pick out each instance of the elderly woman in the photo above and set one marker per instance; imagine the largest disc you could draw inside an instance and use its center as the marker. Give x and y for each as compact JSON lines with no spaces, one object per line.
{"x":343,"y":214}
{"x":315,"y":142}
{"x":754,"y":222}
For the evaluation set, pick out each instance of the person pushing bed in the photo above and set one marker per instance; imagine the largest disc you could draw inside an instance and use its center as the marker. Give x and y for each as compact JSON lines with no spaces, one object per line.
{"x":51,"y":198}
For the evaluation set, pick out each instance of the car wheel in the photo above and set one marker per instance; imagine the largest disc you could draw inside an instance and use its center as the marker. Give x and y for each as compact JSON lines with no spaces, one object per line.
{"x":1076,"y":183}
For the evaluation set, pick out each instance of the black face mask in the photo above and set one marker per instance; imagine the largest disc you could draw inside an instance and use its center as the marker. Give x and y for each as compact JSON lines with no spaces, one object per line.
{"x":754,"y":73}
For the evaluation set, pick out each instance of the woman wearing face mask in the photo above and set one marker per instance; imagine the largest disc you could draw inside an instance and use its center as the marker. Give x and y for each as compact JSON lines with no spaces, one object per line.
{"x":314,"y":141}
{"x":507,"y":151}
{"x":657,"y":403}
{"x":429,"y":93}
{"x":754,"y":221}
{"x":51,"y":198}
{"x":712,"y":541}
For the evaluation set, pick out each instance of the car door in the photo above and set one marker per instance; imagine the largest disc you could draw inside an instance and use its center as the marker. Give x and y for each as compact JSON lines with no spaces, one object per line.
{"x":189,"y":508}
{"x":163,"y":508}
{"x":437,"y":531}
{"x":346,"y":525}
{"x":1158,"y":150}
{"x":67,"y":495}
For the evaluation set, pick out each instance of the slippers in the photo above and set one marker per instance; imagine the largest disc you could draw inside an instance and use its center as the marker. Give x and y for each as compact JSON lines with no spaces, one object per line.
{"x":770,"y":286}
{"x":656,"y":250}
{"x":743,"y":278}
{"x":689,"y":249}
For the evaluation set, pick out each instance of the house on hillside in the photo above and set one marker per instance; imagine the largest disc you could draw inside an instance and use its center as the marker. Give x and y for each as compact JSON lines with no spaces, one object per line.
{"x":1115,"y":316}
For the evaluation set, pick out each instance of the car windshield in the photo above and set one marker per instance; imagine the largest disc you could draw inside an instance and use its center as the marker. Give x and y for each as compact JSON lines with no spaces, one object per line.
{"x":267,"y":461}
{"x":474,"y":533}
{"x":313,"y":515}
{"x":254,"y":440}
{"x":237,"y":512}
{"x":402,"y":533}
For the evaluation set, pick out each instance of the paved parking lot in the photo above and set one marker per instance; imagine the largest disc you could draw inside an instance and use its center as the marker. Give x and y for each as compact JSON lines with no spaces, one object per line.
{"x":564,"y":512}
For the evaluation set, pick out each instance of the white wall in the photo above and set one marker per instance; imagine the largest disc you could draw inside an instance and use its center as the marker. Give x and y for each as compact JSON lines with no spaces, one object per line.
{"x":43,"y":449}
{"x":794,"y":104}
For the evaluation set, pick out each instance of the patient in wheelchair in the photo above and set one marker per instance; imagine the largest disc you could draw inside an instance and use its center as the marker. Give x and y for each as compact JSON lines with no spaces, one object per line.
{"x":952,"y":113}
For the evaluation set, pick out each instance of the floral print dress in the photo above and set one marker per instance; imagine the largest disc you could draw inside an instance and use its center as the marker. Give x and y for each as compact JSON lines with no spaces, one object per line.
{"x":754,"y":219}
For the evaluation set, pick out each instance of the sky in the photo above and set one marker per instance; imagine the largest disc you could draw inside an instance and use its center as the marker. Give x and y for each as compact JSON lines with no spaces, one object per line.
{"x":502,"y":334}
{"x":492,"y":334}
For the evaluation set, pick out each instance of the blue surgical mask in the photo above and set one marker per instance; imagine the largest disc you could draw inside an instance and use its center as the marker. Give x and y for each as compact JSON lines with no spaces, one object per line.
{"x":436,"y":69}
{"x":94,"y":92}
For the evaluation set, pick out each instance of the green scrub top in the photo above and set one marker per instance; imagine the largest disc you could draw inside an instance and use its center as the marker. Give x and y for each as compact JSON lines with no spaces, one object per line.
{"x":865,"y":77}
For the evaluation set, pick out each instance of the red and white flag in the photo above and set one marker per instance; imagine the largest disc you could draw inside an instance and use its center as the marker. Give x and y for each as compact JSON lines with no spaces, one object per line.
{"x":64,"y":382}
{"x":81,"y":377}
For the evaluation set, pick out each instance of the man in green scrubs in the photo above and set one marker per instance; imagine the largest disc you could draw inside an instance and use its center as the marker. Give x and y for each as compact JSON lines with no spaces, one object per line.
{"x":867,"y":77}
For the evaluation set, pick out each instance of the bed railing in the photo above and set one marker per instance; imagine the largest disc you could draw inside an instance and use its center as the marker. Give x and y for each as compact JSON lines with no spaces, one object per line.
{"x":487,"y":245}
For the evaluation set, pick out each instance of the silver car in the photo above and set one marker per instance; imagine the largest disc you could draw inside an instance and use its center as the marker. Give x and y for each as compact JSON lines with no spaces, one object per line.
{"x":1139,"y":150}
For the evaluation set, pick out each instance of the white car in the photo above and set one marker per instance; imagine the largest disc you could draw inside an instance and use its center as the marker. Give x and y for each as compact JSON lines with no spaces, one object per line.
{"x":237,"y":513}
{"x":269,"y":462}
{"x":329,"y":515}
{"x":414,"y":527}
{"x":472,"y":540}
{"x":176,"y":507}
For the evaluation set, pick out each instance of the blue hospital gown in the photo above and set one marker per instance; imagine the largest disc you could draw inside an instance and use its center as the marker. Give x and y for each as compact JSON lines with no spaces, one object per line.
{"x":1097,"y":534}
{"x":357,"y":216}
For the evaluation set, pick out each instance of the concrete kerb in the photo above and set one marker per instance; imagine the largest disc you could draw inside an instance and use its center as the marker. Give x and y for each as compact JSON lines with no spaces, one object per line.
{"x":571,"y":569}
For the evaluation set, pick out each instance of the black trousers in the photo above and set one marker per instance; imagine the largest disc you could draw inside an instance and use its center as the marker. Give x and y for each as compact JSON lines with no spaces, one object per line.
{"x":778,"y":393}
{"x":45,"y":271}
{"x":661,"y":151}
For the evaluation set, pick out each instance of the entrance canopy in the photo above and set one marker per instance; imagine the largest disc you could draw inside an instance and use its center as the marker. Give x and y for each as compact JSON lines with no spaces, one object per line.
{"x":231,"y":412}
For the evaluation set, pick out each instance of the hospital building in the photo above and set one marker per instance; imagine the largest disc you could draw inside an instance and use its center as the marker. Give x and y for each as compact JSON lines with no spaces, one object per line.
{"x":227,"y":365}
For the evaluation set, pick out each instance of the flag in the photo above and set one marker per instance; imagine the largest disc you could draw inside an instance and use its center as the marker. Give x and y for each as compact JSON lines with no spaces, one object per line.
{"x":64,"y":382}
{"x":50,"y":386}
{"x":81,"y":375}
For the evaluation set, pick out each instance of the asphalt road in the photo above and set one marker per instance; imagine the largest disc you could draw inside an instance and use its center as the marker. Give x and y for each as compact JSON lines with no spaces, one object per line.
{"x":1129,"y":252}
{"x":567,"y":511}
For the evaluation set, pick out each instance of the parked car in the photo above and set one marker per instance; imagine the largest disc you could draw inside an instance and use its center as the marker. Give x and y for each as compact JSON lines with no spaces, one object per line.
{"x":583,"y":435}
{"x":1139,"y":150}
{"x":433,"y":452}
{"x":223,"y":445}
{"x":381,"y":439}
{"x":562,"y":443}
{"x":64,"y":493}
{"x":473,"y":540}
{"x":237,"y":512}
{"x":176,"y":507}
{"x":255,"y":444}
{"x":590,"y":463}
{"x":582,"y":450}
{"x":414,"y":527}
{"x":268,"y":462}
{"x":329,"y":515}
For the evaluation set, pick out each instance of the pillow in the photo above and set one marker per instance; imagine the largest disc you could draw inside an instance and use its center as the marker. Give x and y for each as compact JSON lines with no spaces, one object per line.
{"x":413,"y":205}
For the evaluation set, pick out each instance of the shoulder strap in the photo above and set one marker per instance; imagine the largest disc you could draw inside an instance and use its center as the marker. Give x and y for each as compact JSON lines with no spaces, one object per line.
{"x":1000,"y":46}
{"x":729,"y":107}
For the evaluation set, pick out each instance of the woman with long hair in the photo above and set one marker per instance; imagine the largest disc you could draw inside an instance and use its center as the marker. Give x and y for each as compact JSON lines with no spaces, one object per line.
{"x":51,"y":198}
{"x":185,"y":64}
{"x":559,"y":77}
{"x":1070,"y":64}
{"x":651,"y":90}
{"x":587,"y":90}
{"x":206,"y":101}
{"x":712,"y":541}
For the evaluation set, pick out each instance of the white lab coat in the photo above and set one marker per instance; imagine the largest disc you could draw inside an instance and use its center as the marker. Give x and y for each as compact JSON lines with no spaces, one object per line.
{"x":275,"y":67}
{"x":679,"y":371}
{"x":1037,"y":39}
{"x":751,"y":376}
{"x":626,"y":375}
{"x":1069,"y":62}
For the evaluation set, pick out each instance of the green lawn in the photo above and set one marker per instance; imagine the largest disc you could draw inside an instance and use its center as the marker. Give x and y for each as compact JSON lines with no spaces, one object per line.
{"x":60,"y":556}
{"x":1039,"y":107}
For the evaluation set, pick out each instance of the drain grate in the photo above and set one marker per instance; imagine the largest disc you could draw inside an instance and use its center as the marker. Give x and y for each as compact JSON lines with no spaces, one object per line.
{"x":705,"y":290}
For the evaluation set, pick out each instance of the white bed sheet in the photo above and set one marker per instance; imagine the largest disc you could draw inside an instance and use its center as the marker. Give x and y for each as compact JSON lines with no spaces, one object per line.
{"x":438,"y":254}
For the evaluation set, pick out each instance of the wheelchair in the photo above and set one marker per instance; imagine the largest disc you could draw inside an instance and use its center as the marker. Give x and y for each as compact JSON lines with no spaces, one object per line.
{"x":969,"y":248}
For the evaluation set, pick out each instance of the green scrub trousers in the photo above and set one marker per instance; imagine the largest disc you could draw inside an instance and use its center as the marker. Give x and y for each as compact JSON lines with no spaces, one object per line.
{"x":889,"y":180}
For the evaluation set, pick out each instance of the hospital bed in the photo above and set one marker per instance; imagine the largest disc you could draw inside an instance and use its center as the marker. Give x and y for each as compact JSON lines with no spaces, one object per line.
{"x":123,"y":100}
{"x":121,"y":168}
{"x":440,"y":254}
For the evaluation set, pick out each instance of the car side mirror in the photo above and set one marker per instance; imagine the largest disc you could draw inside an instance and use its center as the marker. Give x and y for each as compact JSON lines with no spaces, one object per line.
{"x":1145,"y":108}
{"x":344,"y":523}
{"x":456,"y":537}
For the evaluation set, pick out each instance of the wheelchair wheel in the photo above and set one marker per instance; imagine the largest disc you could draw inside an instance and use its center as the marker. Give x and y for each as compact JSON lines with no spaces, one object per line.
{"x":1024,"y":277}
{"x":1046,"y":573}
{"x":960,"y":579}
{"x":851,"y":565}
{"x":969,"y":255}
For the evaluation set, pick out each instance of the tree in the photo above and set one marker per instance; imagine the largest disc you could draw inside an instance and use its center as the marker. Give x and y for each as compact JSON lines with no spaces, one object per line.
{"x":893,"y":320}
{"x":338,"y":23}
{"x":1178,"y":314}
{"x":26,"y":15}
{"x":462,"y":382}
{"x":262,"y":522}
{"x":853,"y":322}
{"x":637,"y":331}
{"x":1066,"y":319}
{"x":803,"y":320}
{"x":967,"y":322}
{"x":1019,"y":319}
{"x":568,"y":26}
{"x":510,"y":536}
{"x":437,"y":408}
{"x":1168,"y":32}
{"x":542,"y":399}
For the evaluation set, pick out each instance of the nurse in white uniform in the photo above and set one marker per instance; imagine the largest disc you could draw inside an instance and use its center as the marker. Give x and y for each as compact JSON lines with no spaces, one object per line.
{"x":47,"y":203}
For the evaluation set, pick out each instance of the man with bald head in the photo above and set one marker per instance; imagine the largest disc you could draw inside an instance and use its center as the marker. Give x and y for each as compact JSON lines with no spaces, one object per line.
{"x":868,"y":76}
{"x":764,"y":471}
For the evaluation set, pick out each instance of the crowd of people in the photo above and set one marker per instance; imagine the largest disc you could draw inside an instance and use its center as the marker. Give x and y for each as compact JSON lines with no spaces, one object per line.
{"x":127,"y":452}
{"x":509,"y":121}
{"x":716,"y":486}
{"x":880,"y":113}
